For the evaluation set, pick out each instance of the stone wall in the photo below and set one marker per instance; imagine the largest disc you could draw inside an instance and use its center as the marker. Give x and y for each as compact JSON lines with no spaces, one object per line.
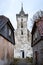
{"x":39,"y":48}
{"x":23,"y":42}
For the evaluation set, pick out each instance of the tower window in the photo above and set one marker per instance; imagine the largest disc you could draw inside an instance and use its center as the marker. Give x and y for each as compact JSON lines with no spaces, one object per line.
{"x":21,"y":19}
{"x":21,"y":24}
{"x":21,"y":32}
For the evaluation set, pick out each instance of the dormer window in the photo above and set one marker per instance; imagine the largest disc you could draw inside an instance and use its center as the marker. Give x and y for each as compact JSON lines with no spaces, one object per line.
{"x":9,"y":32}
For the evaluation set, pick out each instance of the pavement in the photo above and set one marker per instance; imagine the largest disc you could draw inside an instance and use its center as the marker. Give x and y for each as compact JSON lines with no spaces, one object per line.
{"x":23,"y":62}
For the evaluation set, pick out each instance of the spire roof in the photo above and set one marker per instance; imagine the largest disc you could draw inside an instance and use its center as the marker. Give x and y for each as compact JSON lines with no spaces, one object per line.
{"x":22,"y":11}
{"x":22,"y":7}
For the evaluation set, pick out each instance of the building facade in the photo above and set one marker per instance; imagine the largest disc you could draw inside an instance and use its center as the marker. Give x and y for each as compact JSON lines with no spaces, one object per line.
{"x":37,"y":38}
{"x":22,"y":36}
{"x":6,"y":41}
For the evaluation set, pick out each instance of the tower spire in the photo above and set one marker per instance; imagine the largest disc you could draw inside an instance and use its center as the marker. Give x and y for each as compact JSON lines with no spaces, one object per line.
{"x":21,"y":6}
{"x":22,"y":11}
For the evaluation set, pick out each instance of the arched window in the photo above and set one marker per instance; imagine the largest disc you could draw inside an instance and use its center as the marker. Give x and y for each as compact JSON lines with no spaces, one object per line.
{"x":21,"y":19}
{"x":21,"y":32}
{"x":21,"y":24}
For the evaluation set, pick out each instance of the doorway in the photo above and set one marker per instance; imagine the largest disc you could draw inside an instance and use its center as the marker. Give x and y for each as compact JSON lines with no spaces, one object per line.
{"x":22,"y":53}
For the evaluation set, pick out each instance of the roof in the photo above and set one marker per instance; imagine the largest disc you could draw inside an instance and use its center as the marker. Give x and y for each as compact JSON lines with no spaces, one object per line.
{"x":3,"y":21}
{"x":36,"y":18}
{"x":37,"y":15}
{"x":21,"y":13}
{"x":33,"y":28}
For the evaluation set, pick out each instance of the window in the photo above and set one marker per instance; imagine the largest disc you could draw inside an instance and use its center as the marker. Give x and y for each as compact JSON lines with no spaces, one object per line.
{"x":21,"y":24}
{"x":9,"y":32}
{"x":21,"y":32}
{"x":21,"y":19}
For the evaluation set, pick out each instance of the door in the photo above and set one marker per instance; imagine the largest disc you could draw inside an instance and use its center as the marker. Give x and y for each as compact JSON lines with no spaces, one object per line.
{"x":22,"y":54}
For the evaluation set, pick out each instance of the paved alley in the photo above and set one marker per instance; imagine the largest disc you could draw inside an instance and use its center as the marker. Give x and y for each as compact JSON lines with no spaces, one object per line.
{"x":23,"y":62}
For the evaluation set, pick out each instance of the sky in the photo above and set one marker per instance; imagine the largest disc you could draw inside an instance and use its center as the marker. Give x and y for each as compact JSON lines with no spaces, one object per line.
{"x":10,"y":8}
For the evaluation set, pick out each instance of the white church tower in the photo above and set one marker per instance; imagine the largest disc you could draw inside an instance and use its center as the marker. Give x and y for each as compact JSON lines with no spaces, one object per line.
{"x":22,"y":47}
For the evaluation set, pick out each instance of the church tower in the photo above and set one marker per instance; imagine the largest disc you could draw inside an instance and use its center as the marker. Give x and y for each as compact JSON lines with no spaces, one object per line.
{"x":22,"y":23}
{"x":22,"y":35}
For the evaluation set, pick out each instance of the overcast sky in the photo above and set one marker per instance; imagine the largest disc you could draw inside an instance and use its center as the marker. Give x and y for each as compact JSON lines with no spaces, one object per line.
{"x":10,"y":8}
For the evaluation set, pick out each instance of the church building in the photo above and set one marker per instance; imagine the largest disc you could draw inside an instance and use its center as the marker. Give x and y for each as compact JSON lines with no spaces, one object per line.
{"x":22,"y":48}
